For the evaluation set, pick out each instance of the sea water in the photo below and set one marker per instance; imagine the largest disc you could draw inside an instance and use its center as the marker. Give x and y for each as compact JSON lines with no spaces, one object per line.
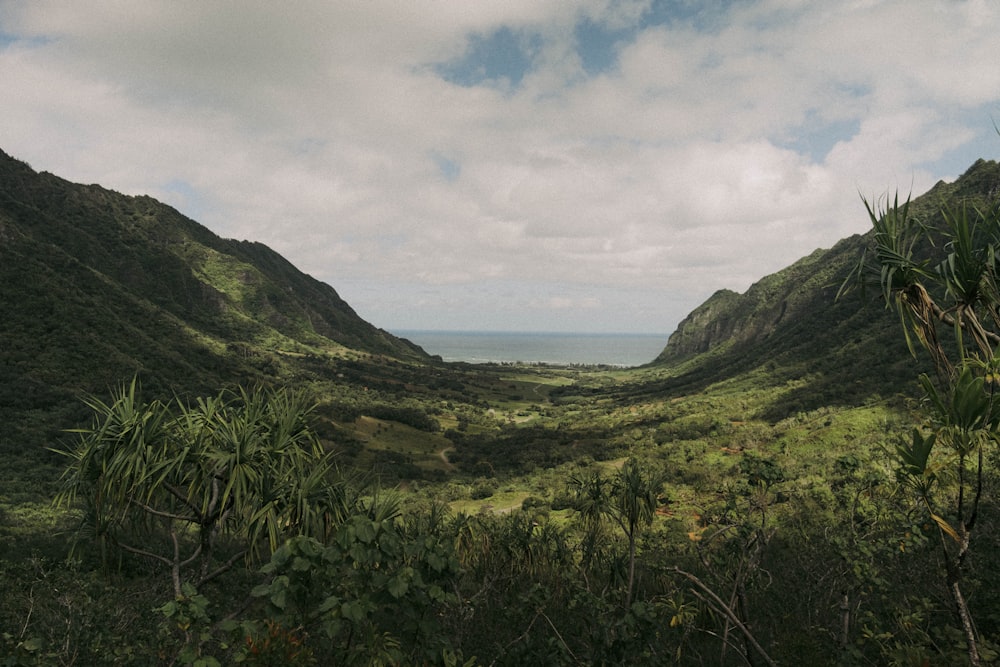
{"x":481,"y":347}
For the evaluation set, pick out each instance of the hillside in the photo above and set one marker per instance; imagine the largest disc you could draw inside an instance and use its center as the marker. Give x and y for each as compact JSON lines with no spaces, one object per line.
{"x":792,"y":323}
{"x":98,"y":286}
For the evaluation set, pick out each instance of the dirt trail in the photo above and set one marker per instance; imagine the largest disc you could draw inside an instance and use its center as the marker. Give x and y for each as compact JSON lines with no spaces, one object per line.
{"x":444,"y":457}
{"x":508,"y":509}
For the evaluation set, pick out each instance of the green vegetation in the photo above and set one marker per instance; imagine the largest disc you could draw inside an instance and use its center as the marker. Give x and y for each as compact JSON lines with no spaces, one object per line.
{"x":944,"y":283}
{"x":240,"y":472}
{"x":293,"y":486}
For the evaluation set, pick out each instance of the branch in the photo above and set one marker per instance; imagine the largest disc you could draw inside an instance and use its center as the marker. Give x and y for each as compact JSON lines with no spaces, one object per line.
{"x":970,"y":524}
{"x":728,"y":612}
{"x":725,"y":640}
{"x":978,"y":330}
{"x":31,"y":608}
{"x":174,"y":491}
{"x":161,"y":513}
{"x":146,"y":554}
{"x":222,"y":569}
{"x":190,"y":560}
{"x":561,"y":640}
{"x":619,"y":521}
{"x":518,"y":638}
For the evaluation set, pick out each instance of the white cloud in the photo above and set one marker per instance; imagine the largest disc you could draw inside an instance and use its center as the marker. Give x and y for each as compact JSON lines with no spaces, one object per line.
{"x":713,"y":152}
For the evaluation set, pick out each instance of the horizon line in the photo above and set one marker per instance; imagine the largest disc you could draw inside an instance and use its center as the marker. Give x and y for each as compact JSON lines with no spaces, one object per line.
{"x":525,"y":332}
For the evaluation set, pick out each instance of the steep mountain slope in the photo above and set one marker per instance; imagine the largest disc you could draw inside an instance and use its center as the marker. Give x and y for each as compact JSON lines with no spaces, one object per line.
{"x":792,"y":325}
{"x":97,"y":286}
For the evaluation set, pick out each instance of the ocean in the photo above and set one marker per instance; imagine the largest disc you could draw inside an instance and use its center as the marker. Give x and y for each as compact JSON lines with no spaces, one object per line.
{"x":480,"y":347}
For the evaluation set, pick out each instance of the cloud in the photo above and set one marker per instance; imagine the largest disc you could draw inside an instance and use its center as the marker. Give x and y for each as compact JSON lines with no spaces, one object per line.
{"x":615,"y":161}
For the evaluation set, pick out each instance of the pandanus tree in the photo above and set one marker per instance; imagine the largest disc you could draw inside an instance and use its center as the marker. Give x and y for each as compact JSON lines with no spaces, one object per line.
{"x":199,"y":487}
{"x":628,"y":499}
{"x":943,"y":281}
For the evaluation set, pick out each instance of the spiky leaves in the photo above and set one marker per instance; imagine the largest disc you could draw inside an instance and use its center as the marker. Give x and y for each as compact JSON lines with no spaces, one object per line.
{"x":942,"y":279}
{"x":167,"y":481}
{"x":629,"y":499}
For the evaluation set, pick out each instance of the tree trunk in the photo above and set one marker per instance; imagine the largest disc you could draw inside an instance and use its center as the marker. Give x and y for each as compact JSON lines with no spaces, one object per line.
{"x":953,"y":568}
{"x":845,"y":631}
{"x":743,"y":610}
{"x":175,"y":568}
{"x":966,"y":618}
{"x":631,"y":569}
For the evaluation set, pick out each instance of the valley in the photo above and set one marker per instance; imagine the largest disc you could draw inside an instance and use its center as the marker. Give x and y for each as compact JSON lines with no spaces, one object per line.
{"x":490,"y":446}
{"x":221,"y":463}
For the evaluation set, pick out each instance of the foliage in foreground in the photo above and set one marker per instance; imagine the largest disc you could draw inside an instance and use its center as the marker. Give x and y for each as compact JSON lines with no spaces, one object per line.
{"x":943,"y":280}
{"x":838,"y":574}
{"x":196,"y":488}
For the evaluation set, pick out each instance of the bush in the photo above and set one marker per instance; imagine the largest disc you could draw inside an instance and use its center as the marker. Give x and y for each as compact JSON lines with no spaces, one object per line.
{"x":481,"y":491}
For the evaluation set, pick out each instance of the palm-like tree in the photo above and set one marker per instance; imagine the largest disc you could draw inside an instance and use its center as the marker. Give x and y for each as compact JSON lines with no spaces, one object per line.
{"x":166,"y":481}
{"x":943,"y":281}
{"x":629,"y":500}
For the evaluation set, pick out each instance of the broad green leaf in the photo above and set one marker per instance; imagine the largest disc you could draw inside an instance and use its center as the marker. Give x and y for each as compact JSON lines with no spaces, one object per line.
{"x":365,"y":530}
{"x":278,"y":598}
{"x":353,"y":611}
{"x":331,"y":602}
{"x":914,"y":456}
{"x":397,"y":587}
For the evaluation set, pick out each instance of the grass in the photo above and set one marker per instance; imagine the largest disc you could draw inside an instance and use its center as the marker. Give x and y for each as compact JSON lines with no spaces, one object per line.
{"x":422,"y":448}
{"x":500,"y":502}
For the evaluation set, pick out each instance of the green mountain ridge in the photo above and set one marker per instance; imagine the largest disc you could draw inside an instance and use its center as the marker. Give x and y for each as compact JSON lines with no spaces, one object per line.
{"x":98,"y":286}
{"x":792,"y":320}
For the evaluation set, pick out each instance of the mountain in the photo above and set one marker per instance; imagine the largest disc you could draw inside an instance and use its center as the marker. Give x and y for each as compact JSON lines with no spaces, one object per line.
{"x":98,"y":286}
{"x":792,"y":324}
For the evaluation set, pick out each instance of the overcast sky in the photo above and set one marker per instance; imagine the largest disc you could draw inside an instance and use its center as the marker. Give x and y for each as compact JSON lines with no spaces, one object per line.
{"x":510,"y":165}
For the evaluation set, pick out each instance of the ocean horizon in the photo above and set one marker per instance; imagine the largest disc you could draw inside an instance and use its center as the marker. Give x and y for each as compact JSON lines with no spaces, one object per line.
{"x":539,"y":347}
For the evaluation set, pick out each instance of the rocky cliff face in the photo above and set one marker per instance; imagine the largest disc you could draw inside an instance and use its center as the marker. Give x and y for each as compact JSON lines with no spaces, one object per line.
{"x":710,"y":324}
{"x":731,"y":320}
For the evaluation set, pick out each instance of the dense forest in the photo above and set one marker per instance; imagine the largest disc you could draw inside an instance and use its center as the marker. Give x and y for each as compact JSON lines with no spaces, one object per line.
{"x":210,"y":459}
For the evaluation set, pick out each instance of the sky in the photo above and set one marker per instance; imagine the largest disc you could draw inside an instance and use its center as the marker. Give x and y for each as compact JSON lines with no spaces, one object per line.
{"x":518,"y":165}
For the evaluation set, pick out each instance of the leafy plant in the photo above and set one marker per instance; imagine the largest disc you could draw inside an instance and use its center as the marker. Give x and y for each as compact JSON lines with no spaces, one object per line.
{"x":629,"y":500}
{"x":943,"y":281}
{"x":374,"y":593}
{"x":168,"y":482}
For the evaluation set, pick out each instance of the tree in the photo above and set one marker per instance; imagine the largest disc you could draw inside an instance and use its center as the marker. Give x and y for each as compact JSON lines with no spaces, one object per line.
{"x":629,"y":499}
{"x":199,"y":487}
{"x":731,"y":548}
{"x":943,"y":281}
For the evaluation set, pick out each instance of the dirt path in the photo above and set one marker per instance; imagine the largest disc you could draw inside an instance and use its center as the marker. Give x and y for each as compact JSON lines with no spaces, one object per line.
{"x":508,"y":509}
{"x":444,"y":457}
